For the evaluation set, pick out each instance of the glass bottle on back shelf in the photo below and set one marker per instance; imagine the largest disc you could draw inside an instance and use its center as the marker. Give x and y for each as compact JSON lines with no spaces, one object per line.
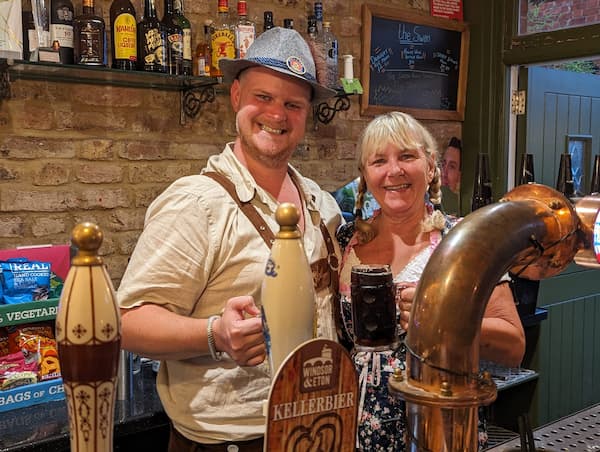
{"x":245,"y":30}
{"x":222,"y":39}
{"x":315,"y":44}
{"x":123,"y":29}
{"x":311,"y":31}
{"x":61,"y":28}
{"x":152,"y":50}
{"x":564,"y":181}
{"x":526,"y":174}
{"x":330,"y":51}
{"x":41,"y":21}
{"x":482,"y":189}
{"x":174,"y":39}
{"x":202,"y":55}
{"x":318,"y":11}
{"x":268,"y":20}
{"x":186,"y":29}
{"x":29,"y":33}
{"x":90,"y":38}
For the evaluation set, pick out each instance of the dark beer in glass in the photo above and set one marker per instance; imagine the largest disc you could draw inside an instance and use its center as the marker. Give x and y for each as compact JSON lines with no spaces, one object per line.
{"x":373,"y":307}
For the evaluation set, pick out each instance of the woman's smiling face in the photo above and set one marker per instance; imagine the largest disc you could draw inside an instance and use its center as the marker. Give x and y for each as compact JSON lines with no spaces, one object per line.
{"x":398,"y":178}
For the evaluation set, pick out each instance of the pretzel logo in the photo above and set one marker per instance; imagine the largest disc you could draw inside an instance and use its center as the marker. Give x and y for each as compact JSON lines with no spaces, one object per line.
{"x":324,"y":435}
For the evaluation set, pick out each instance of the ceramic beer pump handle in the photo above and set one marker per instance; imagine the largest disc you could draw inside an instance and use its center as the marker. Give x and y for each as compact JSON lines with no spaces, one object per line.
{"x":87,"y":238}
{"x":88,"y":335}
{"x":287,"y":293}
{"x":287,"y":216}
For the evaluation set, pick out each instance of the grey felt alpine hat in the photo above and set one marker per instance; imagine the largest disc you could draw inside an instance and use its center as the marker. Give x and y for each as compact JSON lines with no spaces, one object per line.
{"x":283,"y":50}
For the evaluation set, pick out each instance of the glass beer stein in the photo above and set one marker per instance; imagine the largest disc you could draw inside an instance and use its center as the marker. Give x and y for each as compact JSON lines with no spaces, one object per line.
{"x":373,"y":307}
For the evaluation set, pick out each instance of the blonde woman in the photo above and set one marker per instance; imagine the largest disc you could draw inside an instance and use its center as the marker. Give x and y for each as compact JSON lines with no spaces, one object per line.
{"x":398,"y":166}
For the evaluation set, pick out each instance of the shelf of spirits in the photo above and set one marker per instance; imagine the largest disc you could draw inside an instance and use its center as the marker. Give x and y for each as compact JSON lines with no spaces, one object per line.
{"x":104,"y":76}
{"x":194,"y":90}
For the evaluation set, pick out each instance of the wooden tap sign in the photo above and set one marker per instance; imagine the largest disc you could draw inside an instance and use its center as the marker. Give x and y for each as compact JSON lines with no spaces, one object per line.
{"x":313,"y":402}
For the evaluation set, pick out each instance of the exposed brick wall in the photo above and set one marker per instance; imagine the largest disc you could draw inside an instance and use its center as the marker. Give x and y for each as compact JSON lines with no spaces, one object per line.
{"x":75,"y":152}
{"x":548,"y":15}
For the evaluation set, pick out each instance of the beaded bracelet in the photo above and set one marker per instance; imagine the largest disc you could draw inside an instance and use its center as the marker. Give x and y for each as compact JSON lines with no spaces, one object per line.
{"x":211,"y":339}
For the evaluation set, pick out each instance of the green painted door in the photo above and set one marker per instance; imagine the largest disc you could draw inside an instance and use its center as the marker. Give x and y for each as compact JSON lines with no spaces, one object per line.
{"x":562,"y":107}
{"x":562,"y":113}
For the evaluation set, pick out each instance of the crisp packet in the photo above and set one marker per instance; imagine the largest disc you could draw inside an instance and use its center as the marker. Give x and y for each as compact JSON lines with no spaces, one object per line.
{"x":37,"y":344}
{"x":22,"y":280}
{"x":16,"y":371}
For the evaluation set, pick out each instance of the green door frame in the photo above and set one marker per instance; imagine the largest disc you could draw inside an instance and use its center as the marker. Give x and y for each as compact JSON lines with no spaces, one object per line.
{"x":494,"y":47}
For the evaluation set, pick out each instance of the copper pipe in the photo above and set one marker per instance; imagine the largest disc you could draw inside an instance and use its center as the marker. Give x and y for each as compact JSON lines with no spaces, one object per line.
{"x":533,"y":231}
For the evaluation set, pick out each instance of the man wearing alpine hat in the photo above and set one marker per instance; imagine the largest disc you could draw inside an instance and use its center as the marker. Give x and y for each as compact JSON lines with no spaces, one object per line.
{"x":190,"y":296}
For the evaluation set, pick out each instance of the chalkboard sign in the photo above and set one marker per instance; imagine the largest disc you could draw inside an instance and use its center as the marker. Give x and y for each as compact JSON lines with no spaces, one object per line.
{"x":414,"y":63}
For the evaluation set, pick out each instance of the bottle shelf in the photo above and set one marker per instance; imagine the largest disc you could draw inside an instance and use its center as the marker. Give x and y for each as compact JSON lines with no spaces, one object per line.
{"x":195,"y":91}
{"x":105,"y":76}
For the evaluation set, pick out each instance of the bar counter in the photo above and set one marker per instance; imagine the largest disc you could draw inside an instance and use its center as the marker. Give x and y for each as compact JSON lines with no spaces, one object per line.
{"x":579,"y":432}
{"x":140,"y":422}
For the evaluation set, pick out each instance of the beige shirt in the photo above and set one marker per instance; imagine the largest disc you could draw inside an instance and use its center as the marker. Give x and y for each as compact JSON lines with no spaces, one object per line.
{"x":198,"y":250}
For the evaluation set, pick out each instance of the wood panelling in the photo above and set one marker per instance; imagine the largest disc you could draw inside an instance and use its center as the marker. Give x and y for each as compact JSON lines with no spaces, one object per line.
{"x":568,"y":357}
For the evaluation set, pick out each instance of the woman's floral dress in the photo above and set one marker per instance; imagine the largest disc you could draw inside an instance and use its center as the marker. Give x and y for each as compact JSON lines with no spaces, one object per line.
{"x":381,"y":416}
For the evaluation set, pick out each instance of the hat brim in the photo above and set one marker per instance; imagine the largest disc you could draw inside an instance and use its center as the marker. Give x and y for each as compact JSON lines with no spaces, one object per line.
{"x":231,"y":69}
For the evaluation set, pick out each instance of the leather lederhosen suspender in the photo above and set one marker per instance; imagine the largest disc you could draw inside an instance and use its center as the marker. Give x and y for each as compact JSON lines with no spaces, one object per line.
{"x":325,"y":271}
{"x":248,"y":209}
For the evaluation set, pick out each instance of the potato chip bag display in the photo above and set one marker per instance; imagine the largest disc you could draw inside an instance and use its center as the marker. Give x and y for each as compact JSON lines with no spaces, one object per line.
{"x":38,"y":345}
{"x":22,"y":280}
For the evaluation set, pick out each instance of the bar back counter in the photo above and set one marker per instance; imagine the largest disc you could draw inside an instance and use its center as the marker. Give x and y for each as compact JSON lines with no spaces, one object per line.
{"x":140,"y":422}
{"x":576,"y":433}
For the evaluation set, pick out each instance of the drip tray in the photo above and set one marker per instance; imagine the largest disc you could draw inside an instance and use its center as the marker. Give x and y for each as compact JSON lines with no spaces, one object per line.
{"x":578,"y":432}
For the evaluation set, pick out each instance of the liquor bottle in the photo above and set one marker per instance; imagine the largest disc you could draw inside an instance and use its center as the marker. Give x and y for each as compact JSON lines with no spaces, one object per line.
{"x":174,"y":35}
{"x":202,"y":55}
{"x":482,"y":189}
{"x":123,"y":29}
{"x":152,"y":41}
{"x":319,"y":17}
{"x":186,"y":28}
{"x":526,"y":175}
{"x":30,"y":42}
{"x":288,"y":23}
{"x":41,"y":20}
{"x":595,"y":185}
{"x":287,"y":282}
{"x":330,"y":50}
{"x":268,"y":20}
{"x":222,"y":39}
{"x":311,"y":29}
{"x":245,"y":30}
{"x":316,"y":46}
{"x":564,"y":181}
{"x":61,"y":28}
{"x":90,"y":37}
